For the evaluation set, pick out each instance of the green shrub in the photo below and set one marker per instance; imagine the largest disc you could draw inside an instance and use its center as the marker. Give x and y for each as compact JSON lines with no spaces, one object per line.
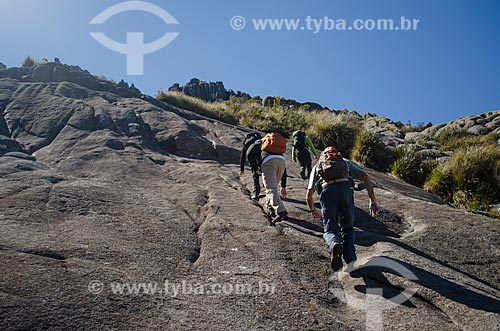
{"x":451,"y":139}
{"x":105,"y":79}
{"x":410,"y":167}
{"x":441,"y":183}
{"x":370,"y":150}
{"x":29,"y":61}
{"x":289,"y":121}
{"x":326,"y":129}
{"x":471,"y":201}
{"x":215,"y":110}
{"x":462,"y":139}
{"x":277,"y":118}
{"x":476,"y":168}
{"x":471,"y":178}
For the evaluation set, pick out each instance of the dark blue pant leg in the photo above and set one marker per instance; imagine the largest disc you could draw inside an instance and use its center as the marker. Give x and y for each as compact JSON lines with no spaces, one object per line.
{"x":256,"y":183}
{"x":347,"y":216}
{"x":329,"y":211}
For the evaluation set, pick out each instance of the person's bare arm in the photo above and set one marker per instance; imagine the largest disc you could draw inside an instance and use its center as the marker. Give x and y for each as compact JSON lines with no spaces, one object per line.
{"x":369,"y":188}
{"x":310,"y":203}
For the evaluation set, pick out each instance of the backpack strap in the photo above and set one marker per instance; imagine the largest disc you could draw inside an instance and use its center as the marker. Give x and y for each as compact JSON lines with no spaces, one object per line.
{"x":337,"y":180}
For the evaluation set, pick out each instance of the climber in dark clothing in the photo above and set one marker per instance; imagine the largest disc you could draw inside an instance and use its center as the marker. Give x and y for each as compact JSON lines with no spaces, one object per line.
{"x":251,"y":152}
{"x":301,"y":146}
{"x":337,"y":205}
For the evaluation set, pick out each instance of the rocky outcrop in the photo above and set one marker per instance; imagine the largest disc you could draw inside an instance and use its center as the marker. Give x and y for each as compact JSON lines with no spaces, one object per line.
{"x":208,"y":91}
{"x":424,"y":142}
{"x":389,"y":131}
{"x":8,"y":145}
{"x":214,"y":91}
{"x":396,"y":133}
{"x":74,"y":107}
{"x":270,"y":101}
{"x":477,"y":125}
{"x":124,"y":85}
{"x":312,"y":106}
{"x":54,"y":72}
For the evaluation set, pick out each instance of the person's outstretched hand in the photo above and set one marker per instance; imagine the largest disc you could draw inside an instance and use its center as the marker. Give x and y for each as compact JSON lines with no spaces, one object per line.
{"x":283,"y":192}
{"x":373,"y":208}
{"x":258,"y":172}
{"x":316,"y":213}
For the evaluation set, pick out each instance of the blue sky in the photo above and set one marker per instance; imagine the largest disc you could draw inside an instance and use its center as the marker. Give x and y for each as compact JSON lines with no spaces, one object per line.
{"x":448,"y":68}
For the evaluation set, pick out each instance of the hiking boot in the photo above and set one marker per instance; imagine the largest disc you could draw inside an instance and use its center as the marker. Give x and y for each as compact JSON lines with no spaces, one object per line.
{"x":282,"y":216}
{"x":303,"y":174}
{"x":271,"y":213}
{"x":336,"y":257}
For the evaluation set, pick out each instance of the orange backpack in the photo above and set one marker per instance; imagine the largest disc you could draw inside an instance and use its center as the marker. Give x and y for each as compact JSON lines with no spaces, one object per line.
{"x":274,"y":143}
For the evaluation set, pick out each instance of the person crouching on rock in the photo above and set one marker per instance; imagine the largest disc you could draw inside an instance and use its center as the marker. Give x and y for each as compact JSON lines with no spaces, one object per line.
{"x":273,"y":169}
{"x":337,"y":203}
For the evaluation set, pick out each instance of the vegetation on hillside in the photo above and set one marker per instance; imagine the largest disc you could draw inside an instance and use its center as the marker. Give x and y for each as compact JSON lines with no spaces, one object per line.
{"x":29,"y":61}
{"x":452,"y":140}
{"x":370,"y":150}
{"x":469,"y":180}
{"x":410,"y":166}
{"x":324,"y":127}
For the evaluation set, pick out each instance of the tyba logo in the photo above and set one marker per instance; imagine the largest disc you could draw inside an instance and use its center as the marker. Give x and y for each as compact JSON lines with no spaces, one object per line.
{"x":134,"y":48}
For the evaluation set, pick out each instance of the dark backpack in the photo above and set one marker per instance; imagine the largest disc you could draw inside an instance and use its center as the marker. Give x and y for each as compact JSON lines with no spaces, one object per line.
{"x":299,"y":139}
{"x":332,"y":166}
{"x":254,"y":154}
{"x":250,"y":139}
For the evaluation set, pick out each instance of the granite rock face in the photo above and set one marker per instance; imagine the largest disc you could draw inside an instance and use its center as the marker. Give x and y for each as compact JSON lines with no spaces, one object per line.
{"x":478,"y":125}
{"x":270,"y":101}
{"x":425,"y":142}
{"x":8,"y":145}
{"x":208,"y":91}
{"x":54,"y":72}
{"x":129,"y":213}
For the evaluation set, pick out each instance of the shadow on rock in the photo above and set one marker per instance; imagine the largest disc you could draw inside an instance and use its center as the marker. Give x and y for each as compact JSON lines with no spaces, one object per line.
{"x":373,"y":277}
{"x":368,"y":237}
{"x":386,"y":224}
{"x":305,"y":227}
